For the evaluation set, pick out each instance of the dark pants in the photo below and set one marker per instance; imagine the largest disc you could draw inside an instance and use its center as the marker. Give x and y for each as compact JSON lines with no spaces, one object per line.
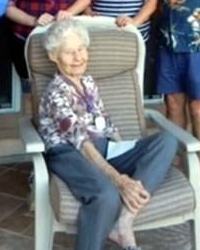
{"x":17,"y":53}
{"x":150,"y":60}
{"x":5,"y":62}
{"x":148,"y":161}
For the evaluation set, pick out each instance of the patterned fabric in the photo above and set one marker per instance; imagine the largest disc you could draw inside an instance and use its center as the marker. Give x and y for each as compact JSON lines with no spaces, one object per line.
{"x":3,"y":5}
{"x":180,"y":25}
{"x":116,"y":8}
{"x":36,"y":8}
{"x":68,"y":116}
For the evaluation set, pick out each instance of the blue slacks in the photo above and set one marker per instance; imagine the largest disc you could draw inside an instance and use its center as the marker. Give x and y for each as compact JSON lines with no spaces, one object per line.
{"x":149,"y":161}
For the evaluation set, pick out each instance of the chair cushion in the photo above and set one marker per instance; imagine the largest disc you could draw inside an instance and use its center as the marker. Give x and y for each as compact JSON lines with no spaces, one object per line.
{"x":123,"y":104}
{"x":174,"y":197}
{"x":102,"y":62}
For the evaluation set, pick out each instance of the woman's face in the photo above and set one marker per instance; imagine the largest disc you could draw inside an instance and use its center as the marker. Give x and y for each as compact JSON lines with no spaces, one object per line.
{"x":71,"y":58}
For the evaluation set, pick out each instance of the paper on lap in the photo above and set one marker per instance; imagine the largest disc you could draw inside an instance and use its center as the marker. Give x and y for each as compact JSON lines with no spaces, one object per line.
{"x":117,"y":148}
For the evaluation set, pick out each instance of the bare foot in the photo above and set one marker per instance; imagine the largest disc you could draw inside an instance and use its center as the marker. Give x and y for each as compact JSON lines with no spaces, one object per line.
{"x":122,"y":233}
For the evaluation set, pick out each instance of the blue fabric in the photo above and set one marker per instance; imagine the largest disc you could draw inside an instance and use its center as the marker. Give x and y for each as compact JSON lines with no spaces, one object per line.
{"x":180,"y":26}
{"x":178,"y":73}
{"x":149,"y":161}
{"x":100,"y":198}
{"x":3,"y":5}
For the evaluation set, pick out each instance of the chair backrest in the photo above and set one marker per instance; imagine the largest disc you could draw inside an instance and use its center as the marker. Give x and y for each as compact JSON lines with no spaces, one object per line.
{"x":116,"y":63}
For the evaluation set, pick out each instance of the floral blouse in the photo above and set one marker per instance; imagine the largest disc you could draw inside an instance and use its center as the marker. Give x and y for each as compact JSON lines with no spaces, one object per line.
{"x":180,"y":25}
{"x":68,"y":116}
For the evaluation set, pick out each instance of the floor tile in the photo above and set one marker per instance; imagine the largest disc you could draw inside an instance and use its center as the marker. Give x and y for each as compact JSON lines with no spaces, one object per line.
{"x":67,"y":241}
{"x":18,"y":221}
{"x":8,"y":205}
{"x":3,"y":170}
{"x":64,"y":240}
{"x":29,"y":231}
{"x":14,"y":182}
{"x":9,"y":241}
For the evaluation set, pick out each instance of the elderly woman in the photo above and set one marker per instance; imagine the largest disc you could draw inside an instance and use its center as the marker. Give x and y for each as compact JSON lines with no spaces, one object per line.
{"x":78,"y":133}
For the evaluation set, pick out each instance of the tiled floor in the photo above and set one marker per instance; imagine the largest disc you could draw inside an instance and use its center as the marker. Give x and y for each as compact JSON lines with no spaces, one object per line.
{"x":16,"y":221}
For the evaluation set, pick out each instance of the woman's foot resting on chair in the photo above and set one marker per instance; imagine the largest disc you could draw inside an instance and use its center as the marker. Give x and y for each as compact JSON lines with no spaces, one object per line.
{"x":122,"y":233}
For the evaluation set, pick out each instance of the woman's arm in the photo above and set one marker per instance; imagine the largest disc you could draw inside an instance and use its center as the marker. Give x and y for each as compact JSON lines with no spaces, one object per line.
{"x":78,"y":7}
{"x":89,"y":12}
{"x":92,"y":154}
{"x":19,"y":16}
{"x":144,"y":15}
{"x":133,"y":193}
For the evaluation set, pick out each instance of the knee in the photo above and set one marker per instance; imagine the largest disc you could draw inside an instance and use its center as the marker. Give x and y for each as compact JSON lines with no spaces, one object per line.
{"x":174,"y":105}
{"x":109,"y":197}
{"x":195,"y":108}
{"x":168,"y":142}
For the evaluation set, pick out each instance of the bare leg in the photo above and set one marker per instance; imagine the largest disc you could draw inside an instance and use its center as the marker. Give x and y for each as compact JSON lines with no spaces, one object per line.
{"x":122,"y":233}
{"x":176,"y":109}
{"x":195,"y":117}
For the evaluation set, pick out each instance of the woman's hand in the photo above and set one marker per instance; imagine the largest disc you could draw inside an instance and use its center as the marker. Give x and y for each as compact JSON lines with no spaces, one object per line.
{"x":44,"y":19}
{"x":123,"y":21}
{"x":63,"y":14}
{"x":133,"y":193}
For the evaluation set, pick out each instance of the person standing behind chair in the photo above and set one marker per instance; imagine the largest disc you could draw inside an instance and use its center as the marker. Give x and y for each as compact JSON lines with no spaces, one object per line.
{"x":135,"y":12}
{"x":178,"y":71}
{"x":25,"y":15}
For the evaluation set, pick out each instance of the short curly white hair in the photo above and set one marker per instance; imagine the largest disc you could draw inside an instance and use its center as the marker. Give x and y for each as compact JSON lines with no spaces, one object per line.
{"x":60,"y":31}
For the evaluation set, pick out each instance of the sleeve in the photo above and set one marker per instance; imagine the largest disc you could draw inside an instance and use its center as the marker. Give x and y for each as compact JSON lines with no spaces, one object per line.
{"x":69,"y":124}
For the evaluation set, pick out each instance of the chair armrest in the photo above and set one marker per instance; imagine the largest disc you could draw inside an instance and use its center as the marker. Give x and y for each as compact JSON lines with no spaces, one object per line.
{"x":188,"y":140}
{"x":30,"y":137}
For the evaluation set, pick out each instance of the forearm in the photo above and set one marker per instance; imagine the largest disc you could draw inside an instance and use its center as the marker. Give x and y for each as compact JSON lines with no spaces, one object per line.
{"x":21,"y":17}
{"x":132,"y":192}
{"x":145,"y":13}
{"x":92,"y":154}
{"x":79,"y":6}
{"x":88,"y":10}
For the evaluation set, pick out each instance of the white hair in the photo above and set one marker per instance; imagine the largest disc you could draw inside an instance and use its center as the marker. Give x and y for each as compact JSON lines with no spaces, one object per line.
{"x":60,"y":31}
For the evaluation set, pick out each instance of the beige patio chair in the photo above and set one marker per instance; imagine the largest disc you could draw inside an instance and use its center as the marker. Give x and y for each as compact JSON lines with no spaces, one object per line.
{"x":116,"y":63}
